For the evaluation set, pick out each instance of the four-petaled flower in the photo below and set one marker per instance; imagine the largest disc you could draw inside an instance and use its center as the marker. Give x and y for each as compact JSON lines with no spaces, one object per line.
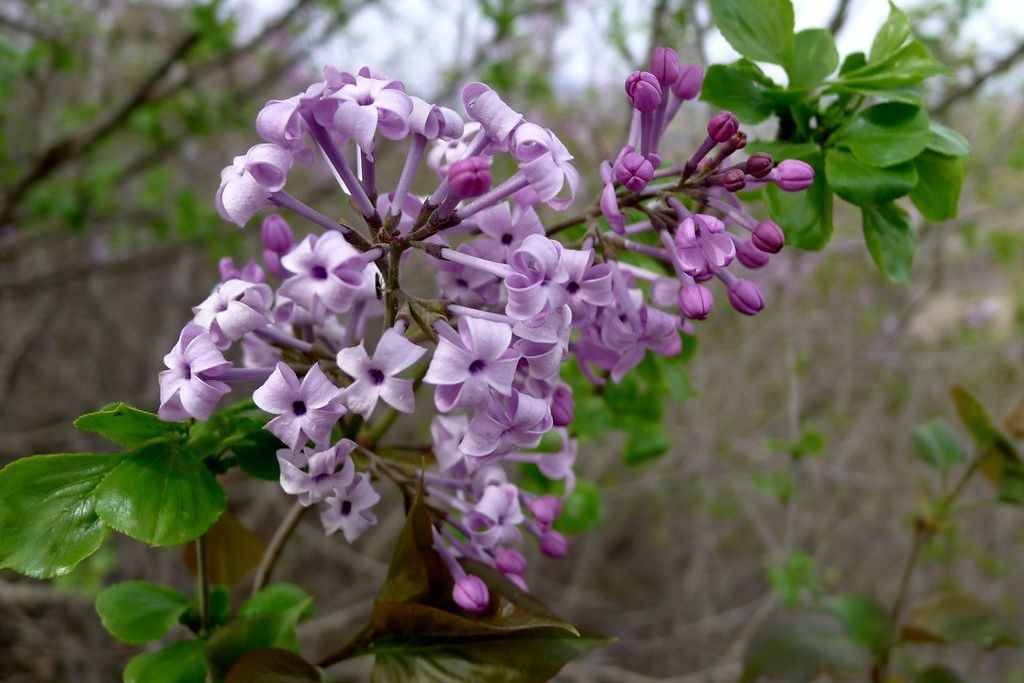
{"x":189,"y":387}
{"x":348,"y":509}
{"x":305,"y":411}
{"x":468,"y":364}
{"x":321,"y":475}
{"x":330,"y":274}
{"x":235,"y":308}
{"x":375,"y":377}
{"x":703,"y":244}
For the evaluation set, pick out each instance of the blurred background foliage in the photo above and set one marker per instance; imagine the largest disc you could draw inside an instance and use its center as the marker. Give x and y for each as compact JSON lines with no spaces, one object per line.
{"x":780,"y":476}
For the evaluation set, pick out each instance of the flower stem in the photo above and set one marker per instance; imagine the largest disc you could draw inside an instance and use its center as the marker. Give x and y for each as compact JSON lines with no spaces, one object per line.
{"x":273,"y":551}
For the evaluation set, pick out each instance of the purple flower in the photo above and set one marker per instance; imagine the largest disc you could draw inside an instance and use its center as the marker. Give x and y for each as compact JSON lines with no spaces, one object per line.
{"x":348,"y":509}
{"x":553,"y":544}
{"x":469,"y":364}
{"x":277,"y":234}
{"x":689,"y":82}
{"x":493,"y":521}
{"x":538,"y":274}
{"x":657,"y":333}
{"x":487,"y":108}
{"x":470,"y":177}
{"x":610,"y":208}
{"x":433,"y":122}
{"x":471,"y":594}
{"x":446,"y":152}
{"x":321,"y":475}
{"x":362,"y":106}
{"x":305,"y":411}
{"x":723,"y":126}
{"x":544,"y":162}
{"x":330,"y":275}
{"x":510,"y":561}
{"x":447,"y":431}
{"x":469,"y":286}
{"x":793,"y":175}
{"x":759,"y":164}
{"x":281,"y":122}
{"x":189,"y":387}
{"x":588,"y":286}
{"x":562,"y":406}
{"x":375,"y":377}
{"x":632,"y":170}
{"x":746,"y":297}
{"x":665,"y":66}
{"x":246,"y":185}
{"x":703,"y":244}
{"x":507,"y":228}
{"x":235,"y":308}
{"x":643,"y":91}
{"x":506,"y":424}
{"x":749,"y":255}
{"x":695,"y":301}
{"x":545,"y":510}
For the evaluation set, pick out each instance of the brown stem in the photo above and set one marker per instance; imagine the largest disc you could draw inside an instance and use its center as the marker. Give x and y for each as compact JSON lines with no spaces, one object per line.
{"x":202,"y":585}
{"x":276,"y":546}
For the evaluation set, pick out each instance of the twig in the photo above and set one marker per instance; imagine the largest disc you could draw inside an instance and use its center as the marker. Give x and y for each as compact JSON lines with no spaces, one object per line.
{"x":276,"y":546}
{"x":1000,"y":66}
{"x":839,"y":17}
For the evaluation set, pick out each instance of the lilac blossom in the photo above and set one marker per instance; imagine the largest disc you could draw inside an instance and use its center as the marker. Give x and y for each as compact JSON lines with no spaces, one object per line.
{"x":235,"y":308}
{"x":468,"y":365}
{"x":305,"y":410}
{"x":375,"y":378}
{"x":507,"y":423}
{"x":246,"y":185}
{"x":347,"y":509}
{"x":321,"y":474}
{"x":703,"y":244}
{"x":190,"y":387}
{"x":329,"y":274}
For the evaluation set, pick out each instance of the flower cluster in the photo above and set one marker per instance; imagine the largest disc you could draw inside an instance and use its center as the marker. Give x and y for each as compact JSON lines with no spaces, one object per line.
{"x":511,"y":306}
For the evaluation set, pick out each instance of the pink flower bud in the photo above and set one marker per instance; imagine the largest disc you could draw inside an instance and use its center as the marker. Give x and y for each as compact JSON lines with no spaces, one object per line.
{"x":759,"y":164}
{"x":277,"y":236}
{"x":793,"y":175}
{"x":272,"y":260}
{"x":723,"y":126}
{"x":644,"y":91}
{"x":470,"y":177}
{"x":734,"y":180}
{"x":553,"y":544}
{"x":745,"y":297}
{"x":510,"y":561}
{"x":695,"y":301}
{"x":769,"y":237}
{"x":471,"y":594}
{"x":562,"y":406}
{"x":633,"y":171}
{"x":689,"y":82}
{"x":750,"y":256}
{"x":665,"y":66}
{"x":737,"y":141}
{"x":545,"y":510}
{"x":227,"y":269}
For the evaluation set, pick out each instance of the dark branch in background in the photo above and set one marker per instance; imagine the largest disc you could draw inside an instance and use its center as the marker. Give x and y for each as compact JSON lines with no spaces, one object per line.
{"x":968,"y":89}
{"x":19,"y":25}
{"x":700,"y":31}
{"x":839,"y":17}
{"x":658,"y":20}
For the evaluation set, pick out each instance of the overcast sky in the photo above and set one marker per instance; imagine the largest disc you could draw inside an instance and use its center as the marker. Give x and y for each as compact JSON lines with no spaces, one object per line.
{"x":408,"y":40}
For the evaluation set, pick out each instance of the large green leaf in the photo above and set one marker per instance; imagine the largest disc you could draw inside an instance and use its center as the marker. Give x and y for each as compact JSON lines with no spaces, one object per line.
{"x":937,"y":193}
{"x":273,"y":665}
{"x":762,"y":30}
{"x":814,"y":57}
{"x":418,"y":633}
{"x":945,"y":140}
{"x":801,"y":647}
{"x":885,"y":134}
{"x":181,"y":662}
{"x":864,"y":185}
{"x":256,"y":449}
{"x":138,"y":612}
{"x":890,"y":240}
{"x":47,"y":511}
{"x":954,"y":617}
{"x":937,"y":444}
{"x":805,"y":217}
{"x":742,"y":88}
{"x":908,"y":66}
{"x":128,"y":426}
{"x":229,"y":644}
{"x":278,"y":598}
{"x":161,"y":494}
{"x":891,"y":36}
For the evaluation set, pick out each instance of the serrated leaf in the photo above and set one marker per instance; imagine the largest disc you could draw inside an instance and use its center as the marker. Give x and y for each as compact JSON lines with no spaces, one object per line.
{"x":762,"y":30}
{"x":127,"y":426}
{"x":890,"y":240}
{"x":161,"y":494}
{"x":232,"y":551}
{"x":954,"y":617}
{"x":814,"y":57}
{"x":937,"y":444}
{"x":47,"y":511}
{"x":885,"y":134}
{"x":864,"y":185}
{"x":137,"y":612}
{"x":273,"y":665}
{"x":939,"y":179}
{"x":180,"y":662}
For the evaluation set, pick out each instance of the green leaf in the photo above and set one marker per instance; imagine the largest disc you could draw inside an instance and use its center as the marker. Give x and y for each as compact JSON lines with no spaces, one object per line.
{"x":229,"y":644}
{"x":891,"y":36}
{"x":127,"y":426}
{"x":937,"y":193}
{"x":137,"y":612}
{"x":582,"y":510}
{"x":257,"y":451}
{"x":864,"y":619}
{"x":954,"y":617}
{"x":273,"y":665}
{"x":999,"y":460}
{"x":47,"y":511}
{"x":814,"y":57}
{"x":645,"y":440}
{"x":675,"y":378}
{"x":799,"y":648}
{"x":938,"y":673}
{"x":853,"y":62}
{"x":762,"y":30}
{"x":885,"y":134}
{"x":937,"y":444}
{"x":278,"y":598}
{"x":890,"y":240}
{"x":909,"y":66}
{"x":740,"y":88}
{"x":161,"y":494}
{"x":864,"y":185}
{"x":945,"y":140}
{"x":806,"y":217}
{"x":181,"y":662}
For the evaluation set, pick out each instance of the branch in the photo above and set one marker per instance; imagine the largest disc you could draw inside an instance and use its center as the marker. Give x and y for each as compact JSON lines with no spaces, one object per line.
{"x":273,"y":550}
{"x":839,"y":17}
{"x":1001,"y":65}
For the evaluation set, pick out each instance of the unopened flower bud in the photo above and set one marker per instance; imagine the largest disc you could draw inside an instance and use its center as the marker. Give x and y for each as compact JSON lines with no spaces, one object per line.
{"x":745,"y":297}
{"x":471,"y":594}
{"x":633,"y":171}
{"x":545,"y":510}
{"x":277,"y":236}
{"x":689,"y":82}
{"x":470,"y":177}
{"x":695,"y":301}
{"x":272,"y":260}
{"x":793,"y":175}
{"x":562,"y":406}
{"x":723,"y":126}
{"x":750,"y":256}
{"x":227,"y":269}
{"x":737,"y":141}
{"x":510,"y":561}
{"x":553,"y":544}
{"x":769,"y":237}
{"x":759,"y":164}
{"x":644,"y":91}
{"x":665,"y":66}
{"x":734,"y":180}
